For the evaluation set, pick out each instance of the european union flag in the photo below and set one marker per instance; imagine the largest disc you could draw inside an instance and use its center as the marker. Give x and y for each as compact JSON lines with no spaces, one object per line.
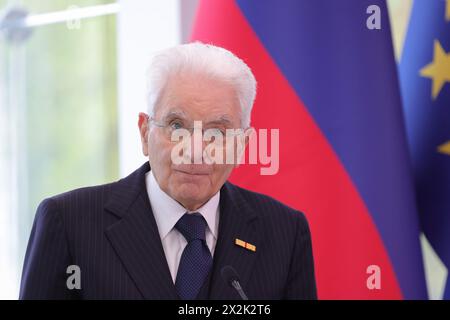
{"x":425,"y":84}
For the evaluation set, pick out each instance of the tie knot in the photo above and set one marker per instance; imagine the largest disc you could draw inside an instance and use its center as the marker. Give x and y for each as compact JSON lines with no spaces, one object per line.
{"x":192,"y":226}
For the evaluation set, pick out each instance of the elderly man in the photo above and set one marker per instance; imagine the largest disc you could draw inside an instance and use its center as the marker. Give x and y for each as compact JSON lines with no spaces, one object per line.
{"x":175,"y":228}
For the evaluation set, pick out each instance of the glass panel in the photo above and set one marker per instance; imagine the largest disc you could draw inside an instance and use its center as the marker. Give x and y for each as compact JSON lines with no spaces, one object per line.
{"x":44,"y":6}
{"x":8,"y":179}
{"x":58,"y":127}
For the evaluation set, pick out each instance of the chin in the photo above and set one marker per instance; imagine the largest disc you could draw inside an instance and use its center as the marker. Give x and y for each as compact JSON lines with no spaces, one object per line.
{"x":190,"y":193}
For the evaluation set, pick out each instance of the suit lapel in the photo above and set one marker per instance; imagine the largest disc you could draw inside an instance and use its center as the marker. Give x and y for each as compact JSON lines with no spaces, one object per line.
{"x":135,"y":238}
{"x":237,"y":221}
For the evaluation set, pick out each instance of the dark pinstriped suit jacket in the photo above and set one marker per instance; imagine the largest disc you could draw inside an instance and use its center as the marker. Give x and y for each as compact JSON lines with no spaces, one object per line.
{"x":109,"y":232}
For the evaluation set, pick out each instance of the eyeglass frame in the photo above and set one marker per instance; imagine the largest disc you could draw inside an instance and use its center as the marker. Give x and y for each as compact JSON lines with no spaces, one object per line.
{"x":158,"y":124}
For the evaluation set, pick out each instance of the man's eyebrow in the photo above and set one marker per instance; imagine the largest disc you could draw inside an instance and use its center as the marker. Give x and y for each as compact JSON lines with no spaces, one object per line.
{"x":175,"y":113}
{"x":224,"y":119}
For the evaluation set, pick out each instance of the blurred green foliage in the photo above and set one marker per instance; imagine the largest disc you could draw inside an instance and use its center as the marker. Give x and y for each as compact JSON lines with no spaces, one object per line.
{"x":70,"y":108}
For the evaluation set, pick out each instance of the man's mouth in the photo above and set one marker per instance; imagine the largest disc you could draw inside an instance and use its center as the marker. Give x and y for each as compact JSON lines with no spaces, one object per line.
{"x":198,"y":170}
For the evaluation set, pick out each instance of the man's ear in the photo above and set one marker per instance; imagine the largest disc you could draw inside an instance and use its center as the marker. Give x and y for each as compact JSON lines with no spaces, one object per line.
{"x":248,"y":134}
{"x":143,"y":130}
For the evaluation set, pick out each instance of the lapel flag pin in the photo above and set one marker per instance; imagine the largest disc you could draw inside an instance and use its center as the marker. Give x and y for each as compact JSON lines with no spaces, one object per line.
{"x":245,"y":245}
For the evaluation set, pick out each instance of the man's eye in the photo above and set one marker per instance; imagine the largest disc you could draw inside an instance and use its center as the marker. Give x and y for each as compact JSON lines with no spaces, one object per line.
{"x":216,"y":132}
{"x":175,"y":125}
{"x":221,"y":132}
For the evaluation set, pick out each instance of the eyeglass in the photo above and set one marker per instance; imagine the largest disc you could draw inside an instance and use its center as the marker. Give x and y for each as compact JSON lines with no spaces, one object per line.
{"x":171,"y":126}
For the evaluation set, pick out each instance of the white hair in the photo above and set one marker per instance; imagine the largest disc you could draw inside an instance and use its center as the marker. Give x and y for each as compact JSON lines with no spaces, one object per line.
{"x":204,"y":59}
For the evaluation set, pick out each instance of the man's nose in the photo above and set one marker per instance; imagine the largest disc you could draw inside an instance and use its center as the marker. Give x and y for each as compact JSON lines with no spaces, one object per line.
{"x":197,"y":146}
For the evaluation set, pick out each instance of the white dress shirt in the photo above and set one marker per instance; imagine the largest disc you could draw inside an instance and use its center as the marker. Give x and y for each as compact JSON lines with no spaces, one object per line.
{"x":168,"y":211}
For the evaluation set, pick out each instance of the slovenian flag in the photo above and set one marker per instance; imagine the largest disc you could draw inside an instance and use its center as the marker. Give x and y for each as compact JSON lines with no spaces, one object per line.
{"x":425,"y":82}
{"x":328,"y":82}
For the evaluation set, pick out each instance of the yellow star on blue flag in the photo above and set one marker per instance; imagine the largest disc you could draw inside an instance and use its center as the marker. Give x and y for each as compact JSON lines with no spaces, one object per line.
{"x":438,"y":70}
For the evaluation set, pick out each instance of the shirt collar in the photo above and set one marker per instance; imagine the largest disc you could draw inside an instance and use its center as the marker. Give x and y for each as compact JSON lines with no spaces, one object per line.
{"x":168,"y":211}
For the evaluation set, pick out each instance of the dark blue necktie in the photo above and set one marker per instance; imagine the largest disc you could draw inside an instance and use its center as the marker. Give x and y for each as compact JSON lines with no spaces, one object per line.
{"x":196,"y":259}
